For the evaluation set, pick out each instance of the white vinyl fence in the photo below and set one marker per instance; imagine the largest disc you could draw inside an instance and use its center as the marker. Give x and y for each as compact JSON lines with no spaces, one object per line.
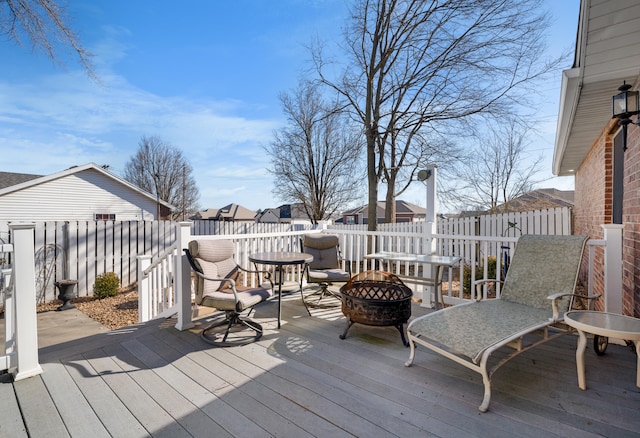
{"x":82,"y":250}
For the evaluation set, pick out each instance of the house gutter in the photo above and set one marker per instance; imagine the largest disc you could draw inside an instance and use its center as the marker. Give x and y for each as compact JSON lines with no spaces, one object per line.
{"x":572,"y":80}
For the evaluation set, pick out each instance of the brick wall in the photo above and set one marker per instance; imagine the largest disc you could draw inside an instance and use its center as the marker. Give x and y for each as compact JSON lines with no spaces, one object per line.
{"x":631,"y":220}
{"x":593,"y":207}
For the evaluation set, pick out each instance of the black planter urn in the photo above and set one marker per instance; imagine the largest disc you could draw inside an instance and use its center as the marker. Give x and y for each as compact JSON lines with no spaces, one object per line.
{"x":66,"y":293}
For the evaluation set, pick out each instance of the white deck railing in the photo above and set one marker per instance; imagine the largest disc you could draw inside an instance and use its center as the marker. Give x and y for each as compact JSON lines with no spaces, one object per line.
{"x":156,"y":285}
{"x":160,"y":281}
{"x":21,"y":329}
{"x":165,"y":284}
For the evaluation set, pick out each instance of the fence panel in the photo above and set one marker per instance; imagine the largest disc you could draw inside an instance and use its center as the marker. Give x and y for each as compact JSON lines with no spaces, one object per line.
{"x":91,"y":248}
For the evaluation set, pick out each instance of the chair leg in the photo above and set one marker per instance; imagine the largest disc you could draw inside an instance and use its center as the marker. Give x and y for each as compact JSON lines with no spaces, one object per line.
{"x":210,"y":336}
{"x":322,"y":292}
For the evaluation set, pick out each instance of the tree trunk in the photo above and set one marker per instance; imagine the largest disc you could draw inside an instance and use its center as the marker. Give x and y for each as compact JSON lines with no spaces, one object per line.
{"x":372,"y":179}
{"x":390,"y":201}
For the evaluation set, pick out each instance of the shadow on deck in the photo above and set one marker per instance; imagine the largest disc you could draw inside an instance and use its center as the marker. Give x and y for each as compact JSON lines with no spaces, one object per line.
{"x":151,"y":380}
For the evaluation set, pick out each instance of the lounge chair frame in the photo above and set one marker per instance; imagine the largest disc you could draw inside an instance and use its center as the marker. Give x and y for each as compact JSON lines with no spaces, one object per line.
{"x":529,"y":317}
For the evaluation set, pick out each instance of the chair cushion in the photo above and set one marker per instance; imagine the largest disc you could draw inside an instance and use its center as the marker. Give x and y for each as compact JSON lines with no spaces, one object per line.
{"x":327,"y":275}
{"x":211,"y":250}
{"x":323,"y":248}
{"x":246,"y":299}
{"x":215,"y":259}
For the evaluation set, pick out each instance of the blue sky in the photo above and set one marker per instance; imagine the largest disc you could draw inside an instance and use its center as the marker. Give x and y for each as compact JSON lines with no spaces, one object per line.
{"x":202,"y":75}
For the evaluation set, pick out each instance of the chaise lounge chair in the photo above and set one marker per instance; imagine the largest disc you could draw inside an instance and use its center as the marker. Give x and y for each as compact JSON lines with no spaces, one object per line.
{"x":543,"y":270}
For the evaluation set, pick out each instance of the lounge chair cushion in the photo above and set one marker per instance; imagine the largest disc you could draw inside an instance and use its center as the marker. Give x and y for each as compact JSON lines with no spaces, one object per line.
{"x":489,"y":321}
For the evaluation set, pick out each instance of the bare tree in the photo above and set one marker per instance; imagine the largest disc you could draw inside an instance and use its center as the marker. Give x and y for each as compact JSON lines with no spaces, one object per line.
{"x":496,"y":171}
{"x":315,"y":157}
{"x":43,"y":23}
{"x":416,"y":66}
{"x":161,"y":169}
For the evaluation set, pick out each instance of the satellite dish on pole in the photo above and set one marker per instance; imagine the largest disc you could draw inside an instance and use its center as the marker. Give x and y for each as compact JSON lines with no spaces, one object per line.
{"x":424,"y":174}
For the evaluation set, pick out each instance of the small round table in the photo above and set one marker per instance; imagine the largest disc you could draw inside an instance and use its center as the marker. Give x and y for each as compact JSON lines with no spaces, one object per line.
{"x":611,"y":325}
{"x":280,"y":259}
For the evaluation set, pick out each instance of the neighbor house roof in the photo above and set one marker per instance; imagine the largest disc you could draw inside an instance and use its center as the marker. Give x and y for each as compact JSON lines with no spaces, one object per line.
{"x":209,"y":213}
{"x":8,"y":179}
{"x":231,"y":212}
{"x":23,"y":181}
{"x":236,"y":212}
{"x":607,"y":53}
{"x":538,"y":200}
{"x":401,"y":207}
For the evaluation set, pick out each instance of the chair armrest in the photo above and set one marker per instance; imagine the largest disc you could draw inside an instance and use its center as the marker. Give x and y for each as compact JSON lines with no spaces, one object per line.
{"x":478,"y":284}
{"x":222,"y":280}
{"x":558,"y":296}
{"x":267,"y":274}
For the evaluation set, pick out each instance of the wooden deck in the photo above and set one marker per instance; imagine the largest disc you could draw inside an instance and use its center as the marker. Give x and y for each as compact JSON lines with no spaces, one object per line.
{"x":151,"y":380}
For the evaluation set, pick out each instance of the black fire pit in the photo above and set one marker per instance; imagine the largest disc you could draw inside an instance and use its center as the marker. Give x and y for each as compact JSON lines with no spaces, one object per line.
{"x":376,"y":298}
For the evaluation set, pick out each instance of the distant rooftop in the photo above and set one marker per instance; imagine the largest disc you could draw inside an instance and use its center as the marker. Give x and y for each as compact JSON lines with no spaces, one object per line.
{"x":8,"y":179}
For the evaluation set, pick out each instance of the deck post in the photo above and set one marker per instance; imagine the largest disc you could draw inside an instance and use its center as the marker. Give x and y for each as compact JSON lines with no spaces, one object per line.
{"x":183,"y":278}
{"x":613,"y":268}
{"x":430,"y":229}
{"x":24,"y":294}
{"x":144,"y":289}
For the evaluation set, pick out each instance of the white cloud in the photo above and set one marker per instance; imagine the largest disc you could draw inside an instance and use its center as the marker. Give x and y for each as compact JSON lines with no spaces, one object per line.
{"x":66,"y":119}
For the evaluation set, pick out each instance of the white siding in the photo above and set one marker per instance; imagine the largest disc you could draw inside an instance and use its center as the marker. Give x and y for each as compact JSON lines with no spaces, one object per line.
{"x":77,"y":197}
{"x":612,"y":40}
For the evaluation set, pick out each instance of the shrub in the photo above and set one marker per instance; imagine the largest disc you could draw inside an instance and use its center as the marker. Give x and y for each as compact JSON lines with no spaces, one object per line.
{"x":106,"y":285}
{"x":491,"y":273}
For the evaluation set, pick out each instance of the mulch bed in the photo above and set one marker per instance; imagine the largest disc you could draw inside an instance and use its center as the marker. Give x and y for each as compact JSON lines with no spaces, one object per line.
{"x":113,"y":312}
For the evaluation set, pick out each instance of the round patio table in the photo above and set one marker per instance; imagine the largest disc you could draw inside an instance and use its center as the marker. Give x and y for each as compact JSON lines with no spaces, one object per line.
{"x":281,"y":259}
{"x":611,"y":325}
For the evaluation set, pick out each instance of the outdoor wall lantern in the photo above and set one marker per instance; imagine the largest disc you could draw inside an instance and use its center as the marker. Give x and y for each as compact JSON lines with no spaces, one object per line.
{"x":625,"y":105}
{"x":424,"y":174}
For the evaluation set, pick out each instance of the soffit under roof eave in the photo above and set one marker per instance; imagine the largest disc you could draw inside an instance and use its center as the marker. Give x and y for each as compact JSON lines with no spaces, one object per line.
{"x":569,"y":96}
{"x":590,"y":114}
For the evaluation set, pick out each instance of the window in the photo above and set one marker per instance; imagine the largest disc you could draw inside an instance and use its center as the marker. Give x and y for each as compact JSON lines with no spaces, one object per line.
{"x":105,"y":217}
{"x":618,"y":178}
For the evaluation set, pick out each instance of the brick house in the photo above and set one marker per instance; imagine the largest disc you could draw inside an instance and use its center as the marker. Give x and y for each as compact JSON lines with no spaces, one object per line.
{"x":589,"y":146}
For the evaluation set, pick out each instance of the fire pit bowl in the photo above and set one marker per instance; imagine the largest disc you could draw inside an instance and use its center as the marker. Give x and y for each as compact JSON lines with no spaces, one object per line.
{"x":376,"y":298}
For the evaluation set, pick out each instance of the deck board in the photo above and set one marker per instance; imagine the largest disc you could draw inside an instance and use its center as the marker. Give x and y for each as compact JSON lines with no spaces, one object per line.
{"x":147,"y":410}
{"x":304,"y":381}
{"x":114,"y":415}
{"x":79,"y":417}
{"x":11,"y":424}
{"x":39,"y":410}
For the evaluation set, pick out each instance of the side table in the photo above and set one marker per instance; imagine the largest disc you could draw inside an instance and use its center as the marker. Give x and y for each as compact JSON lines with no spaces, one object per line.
{"x":611,"y":325}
